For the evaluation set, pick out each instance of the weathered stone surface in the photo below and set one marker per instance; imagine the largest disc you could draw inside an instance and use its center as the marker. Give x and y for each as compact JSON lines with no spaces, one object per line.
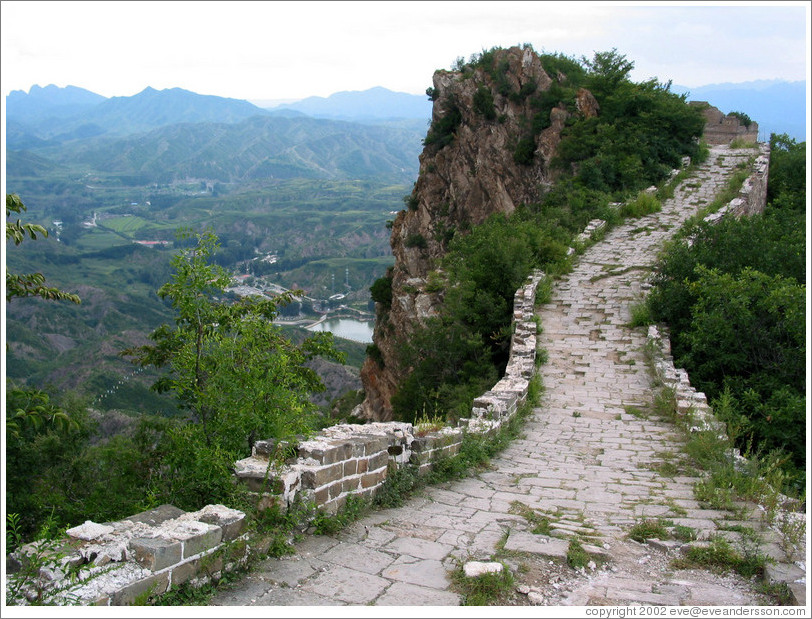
{"x":141,"y":590}
{"x":586,"y":103}
{"x":89,"y":530}
{"x":156,"y":554}
{"x":405,"y":594}
{"x":424,"y":572}
{"x":537,"y":544}
{"x":231,"y":521}
{"x":473,"y":569}
{"x":158,"y":515}
{"x":197,"y":537}
{"x":347,"y":585}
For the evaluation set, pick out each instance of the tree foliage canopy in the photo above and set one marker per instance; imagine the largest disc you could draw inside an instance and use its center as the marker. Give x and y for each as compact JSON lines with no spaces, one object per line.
{"x":228,"y":365}
{"x":28,"y":284}
{"x":734,"y":297}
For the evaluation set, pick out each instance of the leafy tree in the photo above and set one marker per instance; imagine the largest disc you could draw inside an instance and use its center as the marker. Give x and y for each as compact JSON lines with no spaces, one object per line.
{"x":459,"y":354}
{"x":764,"y":372}
{"x":28,"y":284}
{"x":734,"y":297}
{"x":786,"y":188}
{"x":228,"y":365}
{"x":606,"y":71}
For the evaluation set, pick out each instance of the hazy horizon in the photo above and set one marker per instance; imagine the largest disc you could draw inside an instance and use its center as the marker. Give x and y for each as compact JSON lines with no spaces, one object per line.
{"x":294,"y":50}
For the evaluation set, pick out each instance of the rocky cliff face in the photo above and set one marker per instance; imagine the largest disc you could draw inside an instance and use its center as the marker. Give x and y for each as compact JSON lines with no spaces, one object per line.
{"x":484,"y":154}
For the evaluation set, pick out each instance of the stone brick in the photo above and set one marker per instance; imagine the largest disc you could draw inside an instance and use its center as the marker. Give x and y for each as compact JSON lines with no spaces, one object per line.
{"x":350,"y":484}
{"x":231,"y":521}
{"x":421,"y":444}
{"x":375,"y":445}
{"x":273,"y":447}
{"x":372,"y":479}
{"x":321,"y":496}
{"x":155,"y":553}
{"x":203,"y":567}
{"x":317,"y":477}
{"x":350,"y":468}
{"x":420,"y":457}
{"x":379,"y":461}
{"x":328,"y":455}
{"x":158,"y":515}
{"x":199,"y":539}
{"x":334,"y":490}
{"x":138,"y":590}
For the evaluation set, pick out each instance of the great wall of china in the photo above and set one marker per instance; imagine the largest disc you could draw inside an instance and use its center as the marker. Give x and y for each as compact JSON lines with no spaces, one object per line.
{"x":584,"y":462}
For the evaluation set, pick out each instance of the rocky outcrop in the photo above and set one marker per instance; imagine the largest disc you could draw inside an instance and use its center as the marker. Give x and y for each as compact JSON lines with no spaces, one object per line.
{"x":486,"y":152}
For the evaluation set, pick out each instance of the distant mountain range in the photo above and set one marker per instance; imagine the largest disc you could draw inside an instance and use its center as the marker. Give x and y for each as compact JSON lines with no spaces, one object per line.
{"x":374,"y":104}
{"x":48,"y":116}
{"x":362,"y":133}
{"x":262,"y":146}
{"x":163,"y":135}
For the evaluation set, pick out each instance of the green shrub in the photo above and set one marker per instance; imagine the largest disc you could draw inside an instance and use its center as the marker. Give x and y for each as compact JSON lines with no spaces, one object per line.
{"x":416,"y":240}
{"x":648,"y":529}
{"x":743,"y":118}
{"x":577,"y":557}
{"x":442,"y":131}
{"x":483,"y":103}
{"x":411,"y":201}
{"x":644,"y":204}
{"x":722,"y":557}
{"x":486,"y":589}
{"x":525,"y":151}
{"x":382,"y":290}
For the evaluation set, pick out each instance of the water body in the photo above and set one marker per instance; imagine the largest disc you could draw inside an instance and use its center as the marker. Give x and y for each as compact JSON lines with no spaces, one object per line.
{"x":346,"y":328}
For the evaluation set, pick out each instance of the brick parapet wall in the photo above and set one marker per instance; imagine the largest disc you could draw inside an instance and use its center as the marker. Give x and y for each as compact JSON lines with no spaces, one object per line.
{"x":147,"y":554}
{"x":355,"y":458}
{"x":752,"y":197}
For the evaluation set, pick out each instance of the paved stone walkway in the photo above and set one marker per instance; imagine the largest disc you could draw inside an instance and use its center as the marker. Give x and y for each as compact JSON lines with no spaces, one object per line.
{"x":586,"y":462}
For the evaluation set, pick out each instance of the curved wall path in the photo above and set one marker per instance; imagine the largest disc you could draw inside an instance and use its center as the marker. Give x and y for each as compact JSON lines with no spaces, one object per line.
{"x":584,"y":462}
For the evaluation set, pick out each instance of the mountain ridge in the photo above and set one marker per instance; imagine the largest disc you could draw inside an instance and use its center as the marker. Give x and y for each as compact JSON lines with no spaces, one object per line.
{"x":40,"y":115}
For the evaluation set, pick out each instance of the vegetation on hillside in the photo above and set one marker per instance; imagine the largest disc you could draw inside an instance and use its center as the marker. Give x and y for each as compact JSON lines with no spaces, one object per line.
{"x":323,"y":236}
{"x":734,"y":297}
{"x":641,"y":133}
{"x":233,"y":374}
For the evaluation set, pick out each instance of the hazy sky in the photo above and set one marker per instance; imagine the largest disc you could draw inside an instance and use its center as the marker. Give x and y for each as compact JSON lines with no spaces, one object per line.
{"x":291,"y":50}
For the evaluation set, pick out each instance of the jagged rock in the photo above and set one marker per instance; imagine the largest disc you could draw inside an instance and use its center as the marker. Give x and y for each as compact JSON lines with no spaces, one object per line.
{"x":460,"y":184}
{"x":586,"y":103}
{"x":89,"y":530}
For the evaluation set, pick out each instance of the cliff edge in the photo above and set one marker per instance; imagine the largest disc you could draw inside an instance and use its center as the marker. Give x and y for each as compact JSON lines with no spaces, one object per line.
{"x":495,"y":127}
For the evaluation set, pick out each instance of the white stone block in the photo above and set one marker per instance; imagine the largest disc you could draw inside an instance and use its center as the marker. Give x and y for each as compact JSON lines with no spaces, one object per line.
{"x":473,"y":569}
{"x":89,"y":531}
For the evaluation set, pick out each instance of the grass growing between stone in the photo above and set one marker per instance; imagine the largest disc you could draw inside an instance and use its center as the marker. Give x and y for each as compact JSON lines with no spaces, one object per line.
{"x":541,"y":524}
{"x":577,"y":557}
{"x":720,"y":556}
{"x":648,"y":529}
{"x":489,"y":589}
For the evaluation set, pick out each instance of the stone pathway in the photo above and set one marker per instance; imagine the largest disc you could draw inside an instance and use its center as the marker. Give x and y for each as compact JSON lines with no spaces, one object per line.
{"x":586,"y":464}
